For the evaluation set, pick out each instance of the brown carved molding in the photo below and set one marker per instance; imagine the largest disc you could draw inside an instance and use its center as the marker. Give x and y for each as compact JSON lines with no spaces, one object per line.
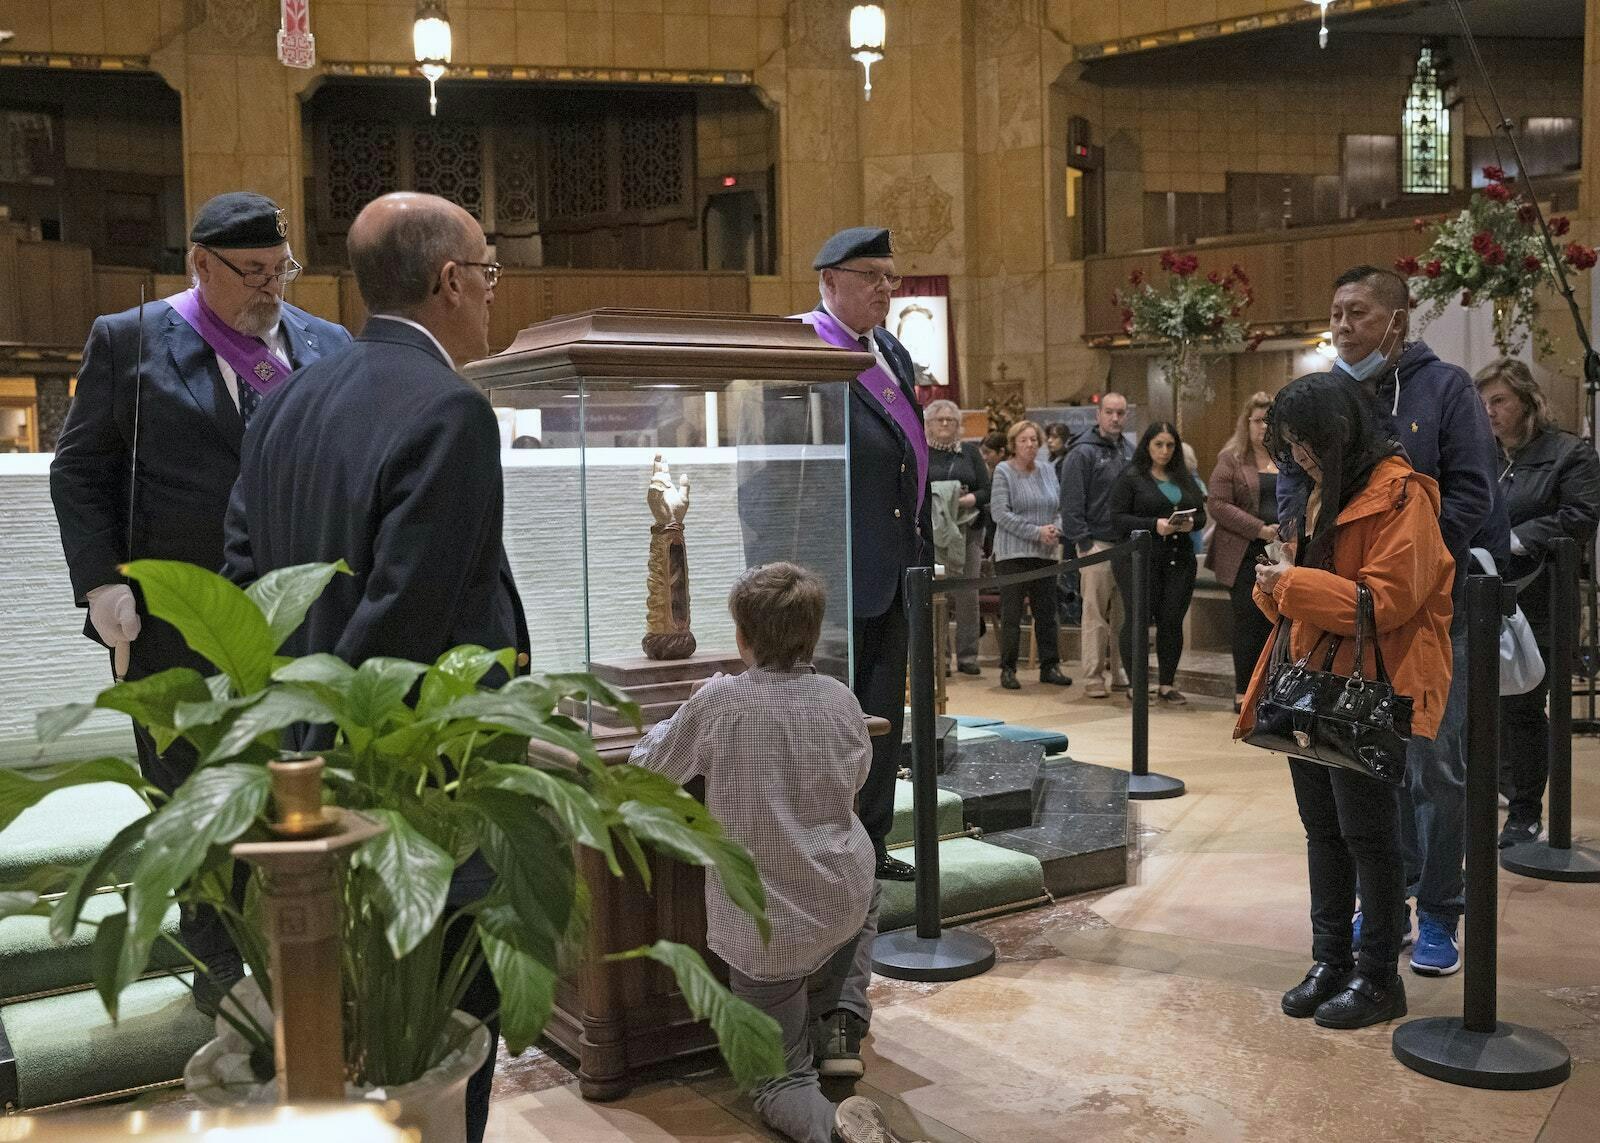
{"x":1291,"y":14}
{"x":656,"y":76}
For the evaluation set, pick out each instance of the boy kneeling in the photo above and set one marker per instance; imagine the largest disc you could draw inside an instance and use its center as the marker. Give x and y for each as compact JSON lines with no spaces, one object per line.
{"x":783,"y":751}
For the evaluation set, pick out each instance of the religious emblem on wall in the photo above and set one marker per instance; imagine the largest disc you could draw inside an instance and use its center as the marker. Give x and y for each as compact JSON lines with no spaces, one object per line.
{"x":234,"y":21}
{"x":667,"y":634}
{"x":917,"y":210}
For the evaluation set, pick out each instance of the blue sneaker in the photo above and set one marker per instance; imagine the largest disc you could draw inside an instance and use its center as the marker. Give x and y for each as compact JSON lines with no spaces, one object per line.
{"x":1436,"y":953}
{"x":1355,"y":929}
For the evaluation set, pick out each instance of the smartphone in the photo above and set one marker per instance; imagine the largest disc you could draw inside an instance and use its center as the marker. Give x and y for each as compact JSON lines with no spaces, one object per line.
{"x":1180,"y":518}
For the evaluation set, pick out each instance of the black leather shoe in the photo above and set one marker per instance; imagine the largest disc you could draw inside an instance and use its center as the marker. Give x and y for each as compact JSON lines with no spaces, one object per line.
{"x":1052,"y":675}
{"x":1363,"y":1002}
{"x":1008,"y":679}
{"x":892,"y":869}
{"x":1519,"y":830}
{"x":1321,"y":983}
{"x":969,"y":669}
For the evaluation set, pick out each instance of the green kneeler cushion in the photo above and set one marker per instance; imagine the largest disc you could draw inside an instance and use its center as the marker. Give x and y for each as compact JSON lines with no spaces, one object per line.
{"x":948,"y":814}
{"x":66,"y":1047}
{"x":1053,"y":741}
{"x":68,"y":827}
{"x":973,"y":877}
{"x":30,"y":962}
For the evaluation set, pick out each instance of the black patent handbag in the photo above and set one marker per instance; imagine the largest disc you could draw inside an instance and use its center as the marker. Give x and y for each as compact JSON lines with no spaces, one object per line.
{"x":1352,"y":722}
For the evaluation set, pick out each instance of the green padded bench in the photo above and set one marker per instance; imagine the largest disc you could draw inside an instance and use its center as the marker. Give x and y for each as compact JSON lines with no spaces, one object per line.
{"x":68,"y":827}
{"x":974,"y":878}
{"x":31,"y":963}
{"x":948,"y":815}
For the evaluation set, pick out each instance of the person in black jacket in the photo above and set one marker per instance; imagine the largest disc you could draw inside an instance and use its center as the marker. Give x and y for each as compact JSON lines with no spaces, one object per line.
{"x":1157,"y":493}
{"x":383,"y":456}
{"x":891,"y":516}
{"x":1551,"y":483}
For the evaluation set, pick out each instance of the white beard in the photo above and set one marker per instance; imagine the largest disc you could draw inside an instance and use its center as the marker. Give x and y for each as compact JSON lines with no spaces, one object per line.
{"x":258,"y":318}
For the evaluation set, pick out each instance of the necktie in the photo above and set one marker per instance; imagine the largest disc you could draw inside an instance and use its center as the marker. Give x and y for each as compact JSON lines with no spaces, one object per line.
{"x":864,"y":343}
{"x":248,"y":400}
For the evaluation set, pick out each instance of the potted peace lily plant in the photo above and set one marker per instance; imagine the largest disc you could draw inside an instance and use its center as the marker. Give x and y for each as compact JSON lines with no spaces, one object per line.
{"x":446,"y":773}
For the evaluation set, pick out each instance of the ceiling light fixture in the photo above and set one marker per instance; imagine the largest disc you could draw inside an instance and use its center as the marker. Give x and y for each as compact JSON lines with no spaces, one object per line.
{"x":867,"y":30}
{"x":1322,"y":36}
{"x":430,"y":41}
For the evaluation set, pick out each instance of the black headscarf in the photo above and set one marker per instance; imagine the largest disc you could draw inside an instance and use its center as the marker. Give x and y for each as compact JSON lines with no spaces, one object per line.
{"x":1343,"y":426}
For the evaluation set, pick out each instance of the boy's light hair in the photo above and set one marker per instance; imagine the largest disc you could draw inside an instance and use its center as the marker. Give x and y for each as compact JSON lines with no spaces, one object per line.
{"x":778,"y":608}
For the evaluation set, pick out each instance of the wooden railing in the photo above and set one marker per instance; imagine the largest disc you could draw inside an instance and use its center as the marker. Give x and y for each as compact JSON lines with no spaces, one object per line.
{"x":1291,"y":271}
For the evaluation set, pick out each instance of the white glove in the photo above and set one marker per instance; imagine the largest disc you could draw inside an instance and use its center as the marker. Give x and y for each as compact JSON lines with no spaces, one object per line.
{"x":112,"y":611}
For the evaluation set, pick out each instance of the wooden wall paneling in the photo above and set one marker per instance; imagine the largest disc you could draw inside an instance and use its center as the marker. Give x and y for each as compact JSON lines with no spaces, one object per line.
{"x":318,"y":294}
{"x":10,"y":287}
{"x":56,"y":292}
{"x":116,"y":288}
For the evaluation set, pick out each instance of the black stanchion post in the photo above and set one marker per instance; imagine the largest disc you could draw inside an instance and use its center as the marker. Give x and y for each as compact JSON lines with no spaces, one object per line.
{"x":1478,"y":1050}
{"x":1556,"y":858}
{"x":927,"y":952}
{"x":1141,"y":783}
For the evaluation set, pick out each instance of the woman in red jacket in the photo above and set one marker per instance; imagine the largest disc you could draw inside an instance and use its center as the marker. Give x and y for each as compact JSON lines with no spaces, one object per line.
{"x":1366,"y":518}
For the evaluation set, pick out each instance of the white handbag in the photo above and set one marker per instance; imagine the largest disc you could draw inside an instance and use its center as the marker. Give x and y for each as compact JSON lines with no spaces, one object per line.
{"x":1521,"y":665}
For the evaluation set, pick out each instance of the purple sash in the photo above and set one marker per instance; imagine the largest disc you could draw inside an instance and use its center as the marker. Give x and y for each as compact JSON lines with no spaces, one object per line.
{"x":884,"y":388}
{"x":247,"y":356}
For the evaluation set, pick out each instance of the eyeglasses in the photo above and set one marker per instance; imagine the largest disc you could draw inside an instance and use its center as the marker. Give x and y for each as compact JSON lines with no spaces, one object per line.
{"x":257,"y":279}
{"x":874,"y":277}
{"x":491,"y":271}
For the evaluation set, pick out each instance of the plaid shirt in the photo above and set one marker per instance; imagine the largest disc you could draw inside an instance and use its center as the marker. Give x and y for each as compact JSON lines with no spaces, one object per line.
{"x":783,"y":754}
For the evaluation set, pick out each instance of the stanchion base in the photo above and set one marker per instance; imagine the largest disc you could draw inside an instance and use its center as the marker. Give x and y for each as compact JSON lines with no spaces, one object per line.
{"x":1538,"y":859}
{"x":954,"y":954}
{"x":1146,"y":787}
{"x":1511,"y":1058}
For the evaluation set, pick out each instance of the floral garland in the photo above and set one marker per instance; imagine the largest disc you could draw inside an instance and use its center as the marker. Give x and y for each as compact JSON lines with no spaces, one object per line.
{"x":1188,"y":315}
{"x":1493,"y":251}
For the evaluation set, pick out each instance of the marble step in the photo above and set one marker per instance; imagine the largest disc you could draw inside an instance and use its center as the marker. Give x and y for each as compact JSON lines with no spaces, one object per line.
{"x":1079,"y":830}
{"x":637,"y":670}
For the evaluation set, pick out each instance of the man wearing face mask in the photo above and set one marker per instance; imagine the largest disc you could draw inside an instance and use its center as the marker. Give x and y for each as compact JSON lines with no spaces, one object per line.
{"x":1446,"y":435}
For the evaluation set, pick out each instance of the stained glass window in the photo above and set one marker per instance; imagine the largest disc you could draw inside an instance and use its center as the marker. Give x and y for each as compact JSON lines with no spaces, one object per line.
{"x":1425,"y":131}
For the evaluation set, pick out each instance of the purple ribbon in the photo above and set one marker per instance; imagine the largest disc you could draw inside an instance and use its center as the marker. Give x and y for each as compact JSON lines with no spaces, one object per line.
{"x":884,"y":389}
{"x":247,"y":356}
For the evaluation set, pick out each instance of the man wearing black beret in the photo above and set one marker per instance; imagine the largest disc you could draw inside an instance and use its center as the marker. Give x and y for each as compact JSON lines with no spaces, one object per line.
{"x":150,"y":451}
{"x":891,"y":520}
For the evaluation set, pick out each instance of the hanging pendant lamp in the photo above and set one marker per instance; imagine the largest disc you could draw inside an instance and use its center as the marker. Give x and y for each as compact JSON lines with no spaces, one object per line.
{"x":867,"y":26}
{"x":430,"y":40}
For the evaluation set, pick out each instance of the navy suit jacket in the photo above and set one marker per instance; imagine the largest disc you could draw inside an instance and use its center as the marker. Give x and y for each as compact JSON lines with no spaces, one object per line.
{"x":887,"y":532}
{"x":382,"y":456}
{"x":190,"y":435}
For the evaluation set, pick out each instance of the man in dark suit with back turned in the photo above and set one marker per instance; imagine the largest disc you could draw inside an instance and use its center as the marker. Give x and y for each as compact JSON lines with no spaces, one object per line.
{"x":383,"y":456}
{"x":181,"y":388}
{"x":891,"y":523}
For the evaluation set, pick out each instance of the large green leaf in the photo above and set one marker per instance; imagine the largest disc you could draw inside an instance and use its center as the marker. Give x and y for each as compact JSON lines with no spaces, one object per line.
{"x":114,"y":865}
{"x":328,"y":677}
{"x":378,"y":691}
{"x":574,"y":806}
{"x":576,"y":685}
{"x":517,"y":710}
{"x":535,"y":866}
{"x":153,"y":701}
{"x":213,"y":807}
{"x":216,"y":618}
{"x":110,"y":938}
{"x":22,"y":903}
{"x":748,"y":1038}
{"x":20,"y":789}
{"x":458,"y":672}
{"x":527,"y":990}
{"x":51,"y":724}
{"x":276,"y":710}
{"x":284,"y":595}
{"x":410,"y":879}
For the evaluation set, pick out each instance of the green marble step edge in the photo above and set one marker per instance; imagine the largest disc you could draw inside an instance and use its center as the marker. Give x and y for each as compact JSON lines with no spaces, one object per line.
{"x":67,"y":827}
{"x":974,"y":877}
{"x":31,"y":963}
{"x":58,"y":1049}
{"x":948,"y":814}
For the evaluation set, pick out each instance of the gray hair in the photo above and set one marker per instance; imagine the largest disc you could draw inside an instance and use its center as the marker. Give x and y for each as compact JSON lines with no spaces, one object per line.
{"x":397,"y":267}
{"x":940,"y":406}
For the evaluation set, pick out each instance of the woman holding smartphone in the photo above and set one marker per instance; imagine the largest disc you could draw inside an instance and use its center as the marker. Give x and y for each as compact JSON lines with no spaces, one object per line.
{"x":1157,"y":493}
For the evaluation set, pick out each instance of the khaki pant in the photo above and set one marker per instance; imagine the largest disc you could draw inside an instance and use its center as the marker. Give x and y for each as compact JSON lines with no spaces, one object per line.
{"x":1097,"y":649}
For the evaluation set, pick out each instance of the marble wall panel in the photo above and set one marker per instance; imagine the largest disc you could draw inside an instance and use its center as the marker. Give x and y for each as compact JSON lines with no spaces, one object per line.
{"x":938,"y":102}
{"x":886,"y":119}
{"x":341,"y":31}
{"x":1022,"y":313}
{"x":685,"y":40}
{"x":542,"y":38}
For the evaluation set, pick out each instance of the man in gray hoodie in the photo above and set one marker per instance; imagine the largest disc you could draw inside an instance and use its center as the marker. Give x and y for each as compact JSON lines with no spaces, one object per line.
{"x":1092,"y":465}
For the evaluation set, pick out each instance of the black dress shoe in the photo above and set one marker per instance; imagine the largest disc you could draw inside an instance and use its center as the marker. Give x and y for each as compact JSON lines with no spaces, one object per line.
{"x":1008,"y":679}
{"x":1321,"y":983}
{"x":1519,"y":830}
{"x":1364,"y":1001}
{"x":969,"y":669}
{"x":1052,"y":675}
{"x":892,"y":869}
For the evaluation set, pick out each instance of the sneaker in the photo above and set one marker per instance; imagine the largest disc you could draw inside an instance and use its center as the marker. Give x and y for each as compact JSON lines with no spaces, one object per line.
{"x":1096,"y":690}
{"x":1519,"y":830}
{"x":1174,"y":697}
{"x":859,"y":1120}
{"x":969,"y":669}
{"x":839,"y":1045}
{"x":1355,"y":930}
{"x":1436,"y":953}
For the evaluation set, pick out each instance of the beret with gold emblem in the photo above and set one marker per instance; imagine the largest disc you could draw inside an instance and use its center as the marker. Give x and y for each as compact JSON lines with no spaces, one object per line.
{"x":240,"y":220}
{"x":854,"y":242}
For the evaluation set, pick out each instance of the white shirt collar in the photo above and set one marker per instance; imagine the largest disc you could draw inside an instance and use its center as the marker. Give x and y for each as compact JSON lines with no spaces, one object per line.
{"x":855,"y":333}
{"x":418,"y":325}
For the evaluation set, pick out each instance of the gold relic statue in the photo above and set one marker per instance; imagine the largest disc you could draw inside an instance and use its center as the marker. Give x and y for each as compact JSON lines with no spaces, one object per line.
{"x":667,"y":634}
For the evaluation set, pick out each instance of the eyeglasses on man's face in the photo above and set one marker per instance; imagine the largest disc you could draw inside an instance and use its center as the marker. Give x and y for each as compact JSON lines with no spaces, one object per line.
{"x":875,"y":278}
{"x":260,"y":279}
{"x":491,"y":271}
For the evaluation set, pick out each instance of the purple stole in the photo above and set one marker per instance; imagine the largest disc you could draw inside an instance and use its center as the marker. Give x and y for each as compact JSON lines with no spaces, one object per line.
{"x":247,"y":356}
{"x":884,"y":389}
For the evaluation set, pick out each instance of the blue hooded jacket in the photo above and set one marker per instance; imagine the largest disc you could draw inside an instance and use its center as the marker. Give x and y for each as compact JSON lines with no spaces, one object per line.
{"x":1437,"y":416}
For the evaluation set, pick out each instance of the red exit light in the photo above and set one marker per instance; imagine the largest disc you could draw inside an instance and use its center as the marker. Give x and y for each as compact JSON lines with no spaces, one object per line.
{"x":730,"y":180}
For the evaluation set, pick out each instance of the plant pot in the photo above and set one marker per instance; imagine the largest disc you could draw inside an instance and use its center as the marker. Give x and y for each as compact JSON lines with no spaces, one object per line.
{"x":219,"y":1074}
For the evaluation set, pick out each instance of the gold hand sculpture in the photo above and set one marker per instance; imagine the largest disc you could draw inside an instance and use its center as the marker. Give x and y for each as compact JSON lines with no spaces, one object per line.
{"x":667,"y":634}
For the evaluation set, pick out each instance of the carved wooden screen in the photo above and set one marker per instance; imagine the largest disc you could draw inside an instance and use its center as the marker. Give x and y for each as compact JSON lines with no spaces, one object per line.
{"x":628,"y":164}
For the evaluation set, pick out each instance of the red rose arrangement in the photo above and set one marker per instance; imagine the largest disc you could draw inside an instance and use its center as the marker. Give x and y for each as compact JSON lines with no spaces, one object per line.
{"x":1187,"y":314}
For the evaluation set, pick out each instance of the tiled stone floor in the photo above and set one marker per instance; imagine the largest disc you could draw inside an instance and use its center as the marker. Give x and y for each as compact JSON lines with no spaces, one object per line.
{"x":1149,"y":1012}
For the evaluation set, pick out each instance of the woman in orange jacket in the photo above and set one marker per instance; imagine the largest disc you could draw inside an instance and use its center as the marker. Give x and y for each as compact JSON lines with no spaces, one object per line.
{"x":1368,"y":518}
